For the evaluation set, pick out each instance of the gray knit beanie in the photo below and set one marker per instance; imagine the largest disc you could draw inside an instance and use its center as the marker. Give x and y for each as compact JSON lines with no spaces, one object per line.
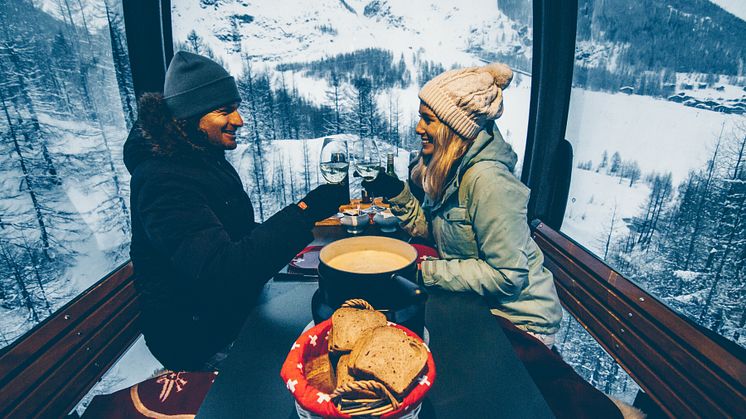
{"x":196,"y":85}
{"x":465,"y":99}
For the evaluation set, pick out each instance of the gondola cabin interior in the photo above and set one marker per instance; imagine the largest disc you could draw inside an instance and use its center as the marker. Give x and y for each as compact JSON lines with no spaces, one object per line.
{"x":629,"y":120}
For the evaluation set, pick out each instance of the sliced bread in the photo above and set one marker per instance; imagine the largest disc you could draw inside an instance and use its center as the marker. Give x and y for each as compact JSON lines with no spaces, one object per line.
{"x":343,"y":371}
{"x":349,"y":324}
{"x":390,"y":356}
{"x":320,"y":374}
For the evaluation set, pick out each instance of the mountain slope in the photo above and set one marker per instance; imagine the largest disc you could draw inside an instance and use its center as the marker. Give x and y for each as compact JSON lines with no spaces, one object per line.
{"x":279,"y":30}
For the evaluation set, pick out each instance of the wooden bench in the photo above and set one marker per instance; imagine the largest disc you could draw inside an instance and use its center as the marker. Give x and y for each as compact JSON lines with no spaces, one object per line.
{"x":49,"y":369}
{"x":686,"y":370}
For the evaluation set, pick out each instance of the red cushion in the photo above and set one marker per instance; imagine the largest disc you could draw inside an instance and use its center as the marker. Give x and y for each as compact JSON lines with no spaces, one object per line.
{"x":171,"y":393}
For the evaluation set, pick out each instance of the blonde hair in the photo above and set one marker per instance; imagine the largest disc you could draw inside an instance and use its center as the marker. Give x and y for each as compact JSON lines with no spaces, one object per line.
{"x":431,"y":173}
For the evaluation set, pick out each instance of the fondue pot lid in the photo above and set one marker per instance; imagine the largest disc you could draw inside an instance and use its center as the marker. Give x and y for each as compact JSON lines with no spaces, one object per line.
{"x":357,"y":244}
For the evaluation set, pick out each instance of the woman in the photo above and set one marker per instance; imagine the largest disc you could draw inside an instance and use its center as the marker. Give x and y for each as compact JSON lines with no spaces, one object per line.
{"x":474,"y":208}
{"x":200,"y":260}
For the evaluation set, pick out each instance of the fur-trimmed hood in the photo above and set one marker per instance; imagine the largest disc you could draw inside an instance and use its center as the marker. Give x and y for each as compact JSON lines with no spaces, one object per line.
{"x":156,"y":134}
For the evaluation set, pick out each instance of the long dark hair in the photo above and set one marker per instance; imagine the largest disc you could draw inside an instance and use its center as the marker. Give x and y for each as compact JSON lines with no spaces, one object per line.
{"x":166,"y":134}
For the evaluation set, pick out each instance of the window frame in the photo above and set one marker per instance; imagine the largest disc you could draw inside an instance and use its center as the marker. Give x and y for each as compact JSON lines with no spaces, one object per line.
{"x":149,"y":42}
{"x":547,"y":157}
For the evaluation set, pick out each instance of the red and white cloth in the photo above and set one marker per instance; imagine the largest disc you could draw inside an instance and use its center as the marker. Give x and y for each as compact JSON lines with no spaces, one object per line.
{"x":314,"y":343}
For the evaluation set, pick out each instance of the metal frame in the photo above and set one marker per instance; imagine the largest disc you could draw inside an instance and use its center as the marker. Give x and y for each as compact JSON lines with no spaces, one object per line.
{"x":546,"y":159}
{"x":149,"y":42}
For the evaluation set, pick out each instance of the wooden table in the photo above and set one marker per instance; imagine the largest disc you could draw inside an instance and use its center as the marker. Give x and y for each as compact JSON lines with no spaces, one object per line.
{"x":479,"y":375}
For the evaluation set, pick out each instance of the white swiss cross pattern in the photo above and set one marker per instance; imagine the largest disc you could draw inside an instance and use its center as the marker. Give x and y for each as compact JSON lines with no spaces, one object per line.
{"x":323,"y":397}
{"x":424,"y":381}
{"x":300,"y":366}
{"x":291,"y":385}
{"x":313,"y":339}
{"x":327,"y":334}
{"x":295,"y":345}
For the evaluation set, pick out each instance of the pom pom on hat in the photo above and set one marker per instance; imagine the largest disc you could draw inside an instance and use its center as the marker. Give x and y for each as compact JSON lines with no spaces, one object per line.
{"x":466,"y":99}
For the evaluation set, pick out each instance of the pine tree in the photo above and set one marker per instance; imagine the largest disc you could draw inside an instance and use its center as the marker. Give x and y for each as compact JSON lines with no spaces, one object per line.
{"x":251,"y":109}
{"x":704,"y":194}
{"x":647,"y":225}
{"x":616,"y":162}
{"x":604,"y":161}
{"x":121,"y":64}
{"x":730,"y":232}
{"x":335,"y":98}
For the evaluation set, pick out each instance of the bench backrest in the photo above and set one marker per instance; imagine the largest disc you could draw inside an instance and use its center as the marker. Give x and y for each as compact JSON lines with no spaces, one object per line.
{"x":685,"y":370}
{"x":49,"y":369}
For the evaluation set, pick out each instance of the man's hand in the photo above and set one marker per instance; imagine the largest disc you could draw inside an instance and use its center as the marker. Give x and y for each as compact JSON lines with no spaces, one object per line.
{"x":324,"y":201}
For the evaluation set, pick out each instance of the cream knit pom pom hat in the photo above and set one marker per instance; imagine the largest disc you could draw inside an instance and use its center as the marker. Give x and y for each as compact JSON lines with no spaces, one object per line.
{"x":465,"y":99}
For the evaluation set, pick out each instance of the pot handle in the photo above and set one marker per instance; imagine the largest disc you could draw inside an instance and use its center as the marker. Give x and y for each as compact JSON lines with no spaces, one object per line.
{"x":416,"y":291}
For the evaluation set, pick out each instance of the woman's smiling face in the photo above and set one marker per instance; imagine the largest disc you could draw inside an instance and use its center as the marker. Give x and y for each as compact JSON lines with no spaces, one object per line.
{"x":427,"y":128}
{"x":220,"y":126}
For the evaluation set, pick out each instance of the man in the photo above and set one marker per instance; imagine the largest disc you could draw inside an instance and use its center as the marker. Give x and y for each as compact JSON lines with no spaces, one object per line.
{"x":200,"y":260}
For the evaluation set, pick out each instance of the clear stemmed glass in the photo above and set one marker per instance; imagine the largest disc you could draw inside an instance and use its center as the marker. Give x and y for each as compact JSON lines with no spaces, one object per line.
{"x":365,"y":158}
{"x":333,"y":162}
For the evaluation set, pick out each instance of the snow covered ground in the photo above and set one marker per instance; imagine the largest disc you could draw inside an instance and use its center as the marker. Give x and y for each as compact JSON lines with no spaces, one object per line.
{"x":593,"y":200}
{"x":660,"y":135}
{"x":136,"y":365}
{"x":734,"y":7}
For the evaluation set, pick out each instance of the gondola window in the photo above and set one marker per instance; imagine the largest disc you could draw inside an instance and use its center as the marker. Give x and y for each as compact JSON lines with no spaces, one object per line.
{"x":658,"y":129}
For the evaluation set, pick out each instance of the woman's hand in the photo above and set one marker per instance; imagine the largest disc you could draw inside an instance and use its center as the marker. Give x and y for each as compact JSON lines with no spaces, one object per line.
{"x":384,"y":185}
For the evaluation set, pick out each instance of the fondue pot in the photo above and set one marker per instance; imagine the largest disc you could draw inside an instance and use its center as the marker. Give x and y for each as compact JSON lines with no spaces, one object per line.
{"x":391,"y":289}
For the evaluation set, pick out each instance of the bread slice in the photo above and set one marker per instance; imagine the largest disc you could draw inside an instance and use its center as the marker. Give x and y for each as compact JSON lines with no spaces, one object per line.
{"x":361,"y":343}
{"x":343,"y":370}
{"x":390,"y":356}
{"x":320,"y":374}
{"x":349,"y":324}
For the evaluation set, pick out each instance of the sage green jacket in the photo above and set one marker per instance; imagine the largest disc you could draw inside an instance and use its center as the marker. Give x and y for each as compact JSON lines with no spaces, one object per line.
{"x":483,"y":238}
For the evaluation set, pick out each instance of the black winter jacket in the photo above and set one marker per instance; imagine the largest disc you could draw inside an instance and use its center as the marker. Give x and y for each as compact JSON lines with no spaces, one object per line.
{"x":200,"y":260}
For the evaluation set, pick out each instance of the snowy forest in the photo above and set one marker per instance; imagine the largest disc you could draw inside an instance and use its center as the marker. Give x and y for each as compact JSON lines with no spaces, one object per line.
{"x":675,"y":225}
{"x":67,"y":102}
{"x":658,"y":190}
{"x":686,"y":245}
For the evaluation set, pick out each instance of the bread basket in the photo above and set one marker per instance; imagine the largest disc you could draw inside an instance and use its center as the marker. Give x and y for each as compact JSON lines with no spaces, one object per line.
{"x":310,"y":402}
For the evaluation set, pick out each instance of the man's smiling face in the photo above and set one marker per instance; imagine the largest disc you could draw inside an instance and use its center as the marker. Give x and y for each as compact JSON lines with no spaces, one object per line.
{"x":220,"y":126}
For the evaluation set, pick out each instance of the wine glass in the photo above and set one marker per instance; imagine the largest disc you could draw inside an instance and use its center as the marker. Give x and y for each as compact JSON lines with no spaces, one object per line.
{"x":333,"y":161}
{"x":365,"y":158}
